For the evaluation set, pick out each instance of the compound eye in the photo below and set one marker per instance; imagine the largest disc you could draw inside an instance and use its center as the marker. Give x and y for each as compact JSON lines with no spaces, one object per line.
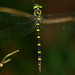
{"x":35,"y":7}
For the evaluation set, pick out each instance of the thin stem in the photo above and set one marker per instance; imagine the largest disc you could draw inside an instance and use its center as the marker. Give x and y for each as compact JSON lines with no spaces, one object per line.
{"x":8,"y":56}
{"x":6,"y":61}
{"x":33,"y":2}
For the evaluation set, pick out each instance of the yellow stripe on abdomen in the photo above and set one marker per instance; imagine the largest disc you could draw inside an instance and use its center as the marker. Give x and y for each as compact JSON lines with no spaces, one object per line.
{"x":39,"y":64}
{"x":38,"y":29}
{"x":38,"y":36}
{"x":39,"y":51}
{"x":39,"y":58}
{"x":39,"y":44}
{"x":37,"y":23}
{"x":39,"y":18}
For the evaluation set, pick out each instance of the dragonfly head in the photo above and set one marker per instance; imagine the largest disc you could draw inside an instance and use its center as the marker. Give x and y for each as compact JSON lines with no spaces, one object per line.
{"x":37,"y":6}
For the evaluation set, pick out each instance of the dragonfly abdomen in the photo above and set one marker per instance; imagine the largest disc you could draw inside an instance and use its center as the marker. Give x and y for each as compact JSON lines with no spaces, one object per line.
{"x":38,"y":19}
{"x":39,"y":46}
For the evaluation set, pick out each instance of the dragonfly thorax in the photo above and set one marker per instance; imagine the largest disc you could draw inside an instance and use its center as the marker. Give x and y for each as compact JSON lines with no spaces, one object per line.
{"x":38,"y":15}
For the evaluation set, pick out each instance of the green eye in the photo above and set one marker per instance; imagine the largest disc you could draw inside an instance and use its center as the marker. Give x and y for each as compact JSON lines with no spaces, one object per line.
{"x":35,"y":7}
{"x":40,"y":6}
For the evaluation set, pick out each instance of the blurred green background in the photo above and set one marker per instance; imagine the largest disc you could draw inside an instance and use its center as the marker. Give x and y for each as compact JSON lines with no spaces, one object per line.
{"x":58,"y":51}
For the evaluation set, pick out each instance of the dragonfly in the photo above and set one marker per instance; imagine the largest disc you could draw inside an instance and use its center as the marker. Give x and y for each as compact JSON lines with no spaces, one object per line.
{"x":24,"y":25}
{"x":5,"y":61}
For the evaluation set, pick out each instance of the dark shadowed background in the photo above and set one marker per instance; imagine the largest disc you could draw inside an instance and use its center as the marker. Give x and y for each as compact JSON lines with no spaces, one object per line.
{"x":58,"y":51}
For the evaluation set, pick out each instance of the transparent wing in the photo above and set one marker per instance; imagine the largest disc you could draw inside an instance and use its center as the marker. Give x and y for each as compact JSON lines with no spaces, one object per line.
{"x":18,"y":25}
{"x":20,"y":30}
{"x":59,"y":23}
{"x":15,"y":19}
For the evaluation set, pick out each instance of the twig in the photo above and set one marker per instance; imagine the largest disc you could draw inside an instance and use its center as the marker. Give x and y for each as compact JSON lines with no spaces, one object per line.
{"x":5,"y":61}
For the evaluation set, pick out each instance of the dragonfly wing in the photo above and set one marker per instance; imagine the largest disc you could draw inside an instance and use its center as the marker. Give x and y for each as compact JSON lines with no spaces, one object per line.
{"x":58,"y":23}
{"x":20,"y":30}
{"x":15,"y":19}
{"x":61,"y":15}
{"x":18,"y":25}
